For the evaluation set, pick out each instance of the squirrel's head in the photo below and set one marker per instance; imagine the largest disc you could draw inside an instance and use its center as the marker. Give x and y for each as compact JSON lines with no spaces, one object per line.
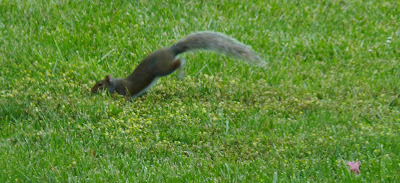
{"x":104,"y":84}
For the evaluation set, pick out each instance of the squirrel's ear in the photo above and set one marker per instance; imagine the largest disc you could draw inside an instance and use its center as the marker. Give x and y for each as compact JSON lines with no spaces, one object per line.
{"x":108,"y":78}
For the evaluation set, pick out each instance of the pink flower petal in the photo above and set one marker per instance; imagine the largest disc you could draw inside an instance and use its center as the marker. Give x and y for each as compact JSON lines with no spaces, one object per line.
{"x":354,"y":167}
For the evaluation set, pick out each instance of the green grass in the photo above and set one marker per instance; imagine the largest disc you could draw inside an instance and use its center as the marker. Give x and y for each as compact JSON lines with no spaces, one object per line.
{"x":330,"y":93}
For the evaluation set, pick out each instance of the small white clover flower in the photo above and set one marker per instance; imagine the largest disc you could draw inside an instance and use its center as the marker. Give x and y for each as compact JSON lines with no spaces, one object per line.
{"x":389,"y":40}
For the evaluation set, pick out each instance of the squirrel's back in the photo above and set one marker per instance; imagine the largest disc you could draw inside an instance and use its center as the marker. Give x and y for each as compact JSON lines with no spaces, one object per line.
{"x":216,"y":41}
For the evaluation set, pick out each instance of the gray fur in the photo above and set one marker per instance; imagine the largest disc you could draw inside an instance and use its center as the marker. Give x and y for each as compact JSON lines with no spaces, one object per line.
{"x":220,"y":42}
{"x":112,"y":85}
{"x":146,"y":89}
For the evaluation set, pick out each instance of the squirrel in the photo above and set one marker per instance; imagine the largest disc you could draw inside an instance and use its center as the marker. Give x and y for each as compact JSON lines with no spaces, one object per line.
{"x":164,"y":61}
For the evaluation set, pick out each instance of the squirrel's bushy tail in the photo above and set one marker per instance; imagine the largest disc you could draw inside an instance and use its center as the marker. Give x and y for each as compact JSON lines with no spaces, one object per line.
{"x":220,"y":42}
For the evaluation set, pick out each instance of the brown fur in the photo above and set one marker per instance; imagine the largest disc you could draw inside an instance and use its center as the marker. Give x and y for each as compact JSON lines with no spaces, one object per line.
{"x":164,"y":61}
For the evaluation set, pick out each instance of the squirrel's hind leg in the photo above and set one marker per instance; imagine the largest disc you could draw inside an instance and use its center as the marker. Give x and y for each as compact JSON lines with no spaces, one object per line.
{"x":181,"y":69}
{"x":177,"y":63}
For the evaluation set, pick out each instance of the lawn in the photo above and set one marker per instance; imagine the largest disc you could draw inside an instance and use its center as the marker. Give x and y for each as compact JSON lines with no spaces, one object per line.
{"x":330,"y":93}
